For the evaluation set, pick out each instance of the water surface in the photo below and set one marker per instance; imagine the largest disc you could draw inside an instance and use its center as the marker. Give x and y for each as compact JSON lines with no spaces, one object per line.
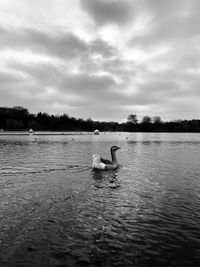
{"x":56,"y":211}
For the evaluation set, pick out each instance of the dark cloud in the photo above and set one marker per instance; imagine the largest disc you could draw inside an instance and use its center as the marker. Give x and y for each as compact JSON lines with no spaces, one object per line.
{"x":88,"y":83}
{"x":64,"y":45}
{"x":102,"y":48}
{"x":59,"y":44}
{"x":42,"y":74}
{"x":108,"y":11}
{"x":170,"y":22}
{"x":57,"y":76}
{"x":124,"y":69}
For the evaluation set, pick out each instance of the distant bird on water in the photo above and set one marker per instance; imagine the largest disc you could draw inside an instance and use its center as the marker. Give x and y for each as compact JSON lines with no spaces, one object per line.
{"x":105,"y":164}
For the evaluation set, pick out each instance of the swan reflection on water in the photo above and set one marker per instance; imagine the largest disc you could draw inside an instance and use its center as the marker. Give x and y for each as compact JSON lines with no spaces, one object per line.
{"x":105,"y":179}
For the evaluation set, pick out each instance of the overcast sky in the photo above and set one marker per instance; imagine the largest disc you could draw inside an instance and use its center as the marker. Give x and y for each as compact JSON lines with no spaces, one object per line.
{"x":101,"y":59}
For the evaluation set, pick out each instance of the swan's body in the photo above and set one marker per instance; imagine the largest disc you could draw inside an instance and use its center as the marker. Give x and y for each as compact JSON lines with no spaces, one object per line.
{"x":105,"y":164}
{"x":96,"y":163}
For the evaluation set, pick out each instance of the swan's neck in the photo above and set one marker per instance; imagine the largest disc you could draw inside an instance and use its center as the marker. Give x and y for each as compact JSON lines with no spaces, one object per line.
{"x":113,"y":156}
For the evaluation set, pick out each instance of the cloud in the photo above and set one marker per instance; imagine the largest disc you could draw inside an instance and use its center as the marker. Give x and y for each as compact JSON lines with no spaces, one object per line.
{"x":104,"y":59}
{"x":59,"y":44}
{"x":8,"y":77}
{"x":91,"y":84}
{"x":169,"y":22}
{"x":102,"y":48}
{"x":108,"y":11}
{"x":51,"y":84}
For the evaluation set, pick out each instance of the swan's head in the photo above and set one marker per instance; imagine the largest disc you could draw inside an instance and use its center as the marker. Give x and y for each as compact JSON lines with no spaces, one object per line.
{"x":115,"y":148}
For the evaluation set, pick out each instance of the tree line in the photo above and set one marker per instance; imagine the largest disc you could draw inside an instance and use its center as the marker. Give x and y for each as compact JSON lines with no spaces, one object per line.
{"x":19,"y":118}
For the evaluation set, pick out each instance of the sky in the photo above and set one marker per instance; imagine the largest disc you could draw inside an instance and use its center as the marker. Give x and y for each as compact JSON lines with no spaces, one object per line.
{"x":101,"y":59}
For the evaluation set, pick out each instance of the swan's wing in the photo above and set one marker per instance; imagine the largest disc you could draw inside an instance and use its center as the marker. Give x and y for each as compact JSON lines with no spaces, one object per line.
{"x":106,"y":161}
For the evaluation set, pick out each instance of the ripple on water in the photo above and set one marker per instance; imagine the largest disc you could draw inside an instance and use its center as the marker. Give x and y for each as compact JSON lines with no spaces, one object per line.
{"x":55,"y":211}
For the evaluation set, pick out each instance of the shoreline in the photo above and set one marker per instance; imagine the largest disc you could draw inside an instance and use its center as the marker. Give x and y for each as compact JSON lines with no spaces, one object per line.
{"x":42,"y":133}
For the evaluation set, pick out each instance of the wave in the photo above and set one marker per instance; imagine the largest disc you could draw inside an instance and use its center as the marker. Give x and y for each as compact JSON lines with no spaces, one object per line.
{"x":11,"y":170}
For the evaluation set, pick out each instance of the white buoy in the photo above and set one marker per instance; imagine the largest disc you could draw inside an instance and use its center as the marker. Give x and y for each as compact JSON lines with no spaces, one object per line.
{"x":96,"y":132}
{"x":32,"y":135}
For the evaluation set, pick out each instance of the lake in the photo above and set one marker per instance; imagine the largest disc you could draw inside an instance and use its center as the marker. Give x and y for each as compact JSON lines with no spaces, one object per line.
{"x":56,"y":211}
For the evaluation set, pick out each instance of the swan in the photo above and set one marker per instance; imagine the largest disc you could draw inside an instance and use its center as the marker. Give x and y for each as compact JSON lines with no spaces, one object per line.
{"x":105,"y":164}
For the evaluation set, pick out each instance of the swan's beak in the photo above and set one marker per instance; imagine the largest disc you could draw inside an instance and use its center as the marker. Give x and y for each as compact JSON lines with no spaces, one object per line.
{"x":118,"y":147}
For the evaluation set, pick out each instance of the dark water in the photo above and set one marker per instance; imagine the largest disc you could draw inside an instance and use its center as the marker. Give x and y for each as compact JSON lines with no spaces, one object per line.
{"x":56,"y":211}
